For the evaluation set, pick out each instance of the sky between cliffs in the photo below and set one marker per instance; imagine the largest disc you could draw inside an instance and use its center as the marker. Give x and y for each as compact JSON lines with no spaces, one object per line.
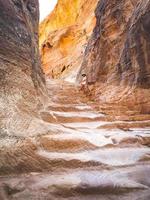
{"x":46,"y":6}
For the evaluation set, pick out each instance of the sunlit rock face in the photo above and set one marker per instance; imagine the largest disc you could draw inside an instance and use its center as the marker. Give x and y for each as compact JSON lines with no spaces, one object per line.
{"x":72,"y":148}
{"x":64,"y":35}
{"x":117,"y":55}
{"x":21,"y":77}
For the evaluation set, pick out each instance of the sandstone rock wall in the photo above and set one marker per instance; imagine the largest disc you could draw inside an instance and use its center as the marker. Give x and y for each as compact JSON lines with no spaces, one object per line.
{"x":63,"y":37}
{"x":117,"y":56}
{"x":21,"y":78}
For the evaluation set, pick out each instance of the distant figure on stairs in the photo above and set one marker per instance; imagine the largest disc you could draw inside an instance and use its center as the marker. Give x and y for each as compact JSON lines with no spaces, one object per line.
{"x":84,"y":86}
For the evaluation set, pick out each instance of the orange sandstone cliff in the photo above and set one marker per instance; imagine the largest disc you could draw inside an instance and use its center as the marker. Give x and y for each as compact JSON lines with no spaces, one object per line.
{"x":68,"y":148}
{"x":110,"y":44}
{"x":64,"y":35}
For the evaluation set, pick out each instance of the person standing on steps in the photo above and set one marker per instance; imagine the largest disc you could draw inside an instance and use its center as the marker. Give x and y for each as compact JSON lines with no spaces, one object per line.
{"x":84,"y":86}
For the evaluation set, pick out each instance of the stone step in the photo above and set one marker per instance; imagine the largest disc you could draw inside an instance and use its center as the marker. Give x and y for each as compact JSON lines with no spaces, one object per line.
{"x":79,"y":182}
{"x":108,"y":156}
{"x":61,"y":117}
{"x":68,"y":108}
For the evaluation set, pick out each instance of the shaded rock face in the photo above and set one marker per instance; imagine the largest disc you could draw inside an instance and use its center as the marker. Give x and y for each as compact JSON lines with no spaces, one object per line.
{"x":21,"y":77}
{"x":70,"y":149}
{"x":63,"y":38}
{"x":117,"y":55}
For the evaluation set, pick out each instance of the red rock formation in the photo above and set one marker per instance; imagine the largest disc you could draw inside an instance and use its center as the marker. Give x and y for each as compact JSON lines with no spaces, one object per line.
{"x":117,"y":56}
{"x":66,"y":151}
{"x":21,"y":77}
{"x":63,"y":37}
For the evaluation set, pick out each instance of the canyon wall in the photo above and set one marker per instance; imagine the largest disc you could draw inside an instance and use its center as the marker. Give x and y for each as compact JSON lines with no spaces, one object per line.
{"x":63,"y":37}
{"x":21,"y":78}
{"x":116,"y":59}
{"x":106,"y":39}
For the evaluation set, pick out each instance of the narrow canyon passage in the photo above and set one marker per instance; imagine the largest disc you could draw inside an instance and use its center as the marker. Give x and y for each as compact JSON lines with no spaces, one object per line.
{"x":79,"y":154}
{"x":56,"y":142}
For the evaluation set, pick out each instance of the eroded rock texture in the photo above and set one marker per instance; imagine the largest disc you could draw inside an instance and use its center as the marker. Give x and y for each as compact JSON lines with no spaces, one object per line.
{"x":21,"y":77}
{"x":73,"y":149}
{"x":63,"y":37}
{"x":117,"y":56}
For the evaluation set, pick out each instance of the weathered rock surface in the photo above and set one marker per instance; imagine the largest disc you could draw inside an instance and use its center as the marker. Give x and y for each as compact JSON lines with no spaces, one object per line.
{"x":21,"y":78}
{"x":69,"y":149}
{"x":117,"y":56}
{"x":63,"y":37}
{"x":98,"y":157}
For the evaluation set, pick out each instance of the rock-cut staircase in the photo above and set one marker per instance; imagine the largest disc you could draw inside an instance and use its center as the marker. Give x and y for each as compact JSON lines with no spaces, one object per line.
{"x":77,"y":158}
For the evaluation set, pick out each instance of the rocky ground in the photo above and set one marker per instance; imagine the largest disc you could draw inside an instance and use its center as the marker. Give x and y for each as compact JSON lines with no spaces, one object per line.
{"x":80,"y":153}
{"x":57,"y":142}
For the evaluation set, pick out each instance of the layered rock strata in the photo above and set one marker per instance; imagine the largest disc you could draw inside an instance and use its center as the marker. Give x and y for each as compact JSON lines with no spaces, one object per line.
{"x":116,"y":60}
{"x":21,"y":78}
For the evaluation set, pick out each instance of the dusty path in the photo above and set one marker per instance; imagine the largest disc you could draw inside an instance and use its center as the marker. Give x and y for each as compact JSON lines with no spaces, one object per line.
{"x":82,"y":154}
